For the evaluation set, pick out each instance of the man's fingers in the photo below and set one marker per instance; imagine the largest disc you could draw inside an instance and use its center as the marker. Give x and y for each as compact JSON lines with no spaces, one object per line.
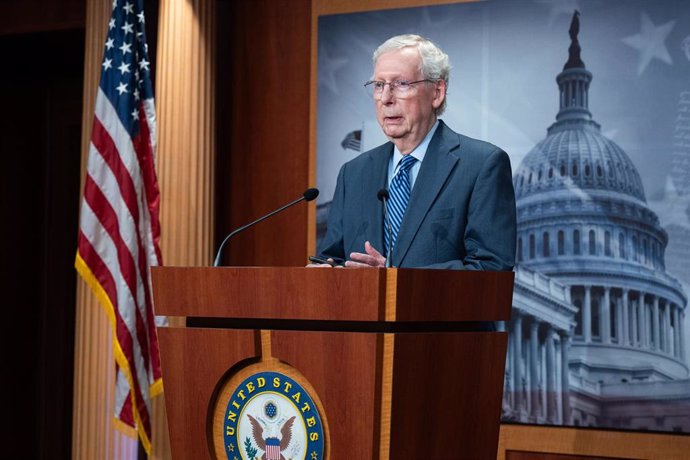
{"x":371,"y":250}
{"x":353,"y":264}
{"x":380,"y":261}
{"x":363,"y":258}
{"x":369,"y":260}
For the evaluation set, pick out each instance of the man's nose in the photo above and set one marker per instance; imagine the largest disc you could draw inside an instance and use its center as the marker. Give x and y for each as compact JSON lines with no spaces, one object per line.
{"x":387,"y":94}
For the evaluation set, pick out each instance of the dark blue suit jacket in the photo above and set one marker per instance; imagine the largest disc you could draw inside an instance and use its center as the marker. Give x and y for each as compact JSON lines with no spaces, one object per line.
{"x":461,"y":213}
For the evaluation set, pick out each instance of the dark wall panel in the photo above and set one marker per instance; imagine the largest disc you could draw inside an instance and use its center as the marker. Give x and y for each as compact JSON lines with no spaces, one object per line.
{"x":23,"y":16}
{"x":263,"y":87}
{"x":40,"y":142}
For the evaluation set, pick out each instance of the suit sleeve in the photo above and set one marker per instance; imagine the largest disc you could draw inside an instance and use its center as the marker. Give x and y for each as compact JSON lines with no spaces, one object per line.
{"x":491,"y":228}
{"x":332,"y":244}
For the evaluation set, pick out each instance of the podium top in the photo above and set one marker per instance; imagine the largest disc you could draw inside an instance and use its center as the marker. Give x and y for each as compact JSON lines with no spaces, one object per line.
{"x":298,"y":293}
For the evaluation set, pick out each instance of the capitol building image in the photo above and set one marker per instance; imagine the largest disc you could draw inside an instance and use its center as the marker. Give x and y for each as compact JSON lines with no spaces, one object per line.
{"x":598,"y":331}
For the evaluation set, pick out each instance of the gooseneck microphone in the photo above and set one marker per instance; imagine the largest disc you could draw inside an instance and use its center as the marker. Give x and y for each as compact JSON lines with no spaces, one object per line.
{"x":308,"y":195}
{"x":383,"y":196}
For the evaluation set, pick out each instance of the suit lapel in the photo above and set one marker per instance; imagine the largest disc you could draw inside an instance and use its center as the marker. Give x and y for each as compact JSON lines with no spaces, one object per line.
{"x":372,"y":208}
{"x":438,"y":163}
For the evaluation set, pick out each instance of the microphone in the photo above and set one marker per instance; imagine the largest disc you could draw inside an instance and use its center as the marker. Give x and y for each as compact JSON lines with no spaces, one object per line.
{"x":383,"y":196}
{"x":309,"y":195}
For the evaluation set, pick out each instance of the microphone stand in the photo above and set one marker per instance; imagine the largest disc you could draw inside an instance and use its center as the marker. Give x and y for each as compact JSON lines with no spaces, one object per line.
{"x":309,"y":195}
{"x":383,"y":197}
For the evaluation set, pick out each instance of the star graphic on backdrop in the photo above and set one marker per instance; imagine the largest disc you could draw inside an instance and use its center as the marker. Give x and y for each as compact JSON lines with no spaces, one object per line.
{"x":685,"y":46}
{"x":650,"y":42}
{"x":363,"y":43}
{"x":558,"y":8}
{"x":673,"y":207}
{"x":576,"y":190}
{"x":329,"y":67}
{"x":426,"y":23}
{"x":611,"y":133}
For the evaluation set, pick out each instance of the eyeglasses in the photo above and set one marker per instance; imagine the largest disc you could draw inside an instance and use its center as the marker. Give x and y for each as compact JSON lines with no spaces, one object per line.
{"x":400,"y":88}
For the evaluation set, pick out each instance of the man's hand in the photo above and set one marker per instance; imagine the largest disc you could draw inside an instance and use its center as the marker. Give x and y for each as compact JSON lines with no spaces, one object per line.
{"x":372,"y":258}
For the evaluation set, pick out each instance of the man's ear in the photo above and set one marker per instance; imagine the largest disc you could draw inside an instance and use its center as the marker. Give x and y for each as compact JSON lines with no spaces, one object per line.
{"x":439,"y":94}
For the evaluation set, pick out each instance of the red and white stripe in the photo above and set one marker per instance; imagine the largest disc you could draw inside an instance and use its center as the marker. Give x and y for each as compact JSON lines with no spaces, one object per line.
{"x":272,"y":452}
{"x":118,"y":242}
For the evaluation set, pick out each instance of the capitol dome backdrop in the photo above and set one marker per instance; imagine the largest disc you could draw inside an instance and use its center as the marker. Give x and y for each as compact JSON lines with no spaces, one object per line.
{"x":598,"y":335}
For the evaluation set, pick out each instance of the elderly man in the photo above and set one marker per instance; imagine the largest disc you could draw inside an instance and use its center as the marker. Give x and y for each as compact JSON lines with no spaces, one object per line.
{"x":451,"y":202}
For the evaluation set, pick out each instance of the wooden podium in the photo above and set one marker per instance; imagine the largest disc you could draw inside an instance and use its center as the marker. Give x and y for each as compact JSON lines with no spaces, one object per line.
{"x":396,"y":357}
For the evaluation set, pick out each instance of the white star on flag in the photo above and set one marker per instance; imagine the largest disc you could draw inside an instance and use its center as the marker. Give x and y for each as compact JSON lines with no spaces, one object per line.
{"x":650,"y":42}
{"x":144,"y":64}
{"x":124,"y":68}
{"x":127,"y":28}
{"x":107,"y":64}
{"x":122,"y":88}
{"x":111,"y":24}
{"x":141,"y":17}
{"x":126,"y":48}
{"x":129,"y":8}
{"x":135,"y":114}
{"x":109,"y":43}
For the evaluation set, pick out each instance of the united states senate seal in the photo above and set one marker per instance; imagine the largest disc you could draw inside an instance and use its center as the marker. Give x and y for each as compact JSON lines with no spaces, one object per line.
{"x":268,"y":415}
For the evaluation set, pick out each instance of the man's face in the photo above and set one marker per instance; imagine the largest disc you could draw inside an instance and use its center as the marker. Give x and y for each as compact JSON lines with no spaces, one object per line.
{"x":405,"y":121}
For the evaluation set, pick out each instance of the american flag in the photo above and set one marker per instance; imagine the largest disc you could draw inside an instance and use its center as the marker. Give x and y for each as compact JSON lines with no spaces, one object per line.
{"x":353,"y":141}
{"x":119,"y":231}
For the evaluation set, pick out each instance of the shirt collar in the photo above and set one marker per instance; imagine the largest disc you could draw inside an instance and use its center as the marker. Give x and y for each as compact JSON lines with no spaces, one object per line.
{"x":419,"y":152}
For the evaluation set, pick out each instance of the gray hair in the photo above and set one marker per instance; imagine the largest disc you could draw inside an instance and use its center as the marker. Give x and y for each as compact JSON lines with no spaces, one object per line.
{"x":435,"y":64}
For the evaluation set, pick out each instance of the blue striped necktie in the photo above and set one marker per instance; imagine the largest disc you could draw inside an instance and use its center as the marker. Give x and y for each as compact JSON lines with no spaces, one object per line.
{"x":399,"y":193}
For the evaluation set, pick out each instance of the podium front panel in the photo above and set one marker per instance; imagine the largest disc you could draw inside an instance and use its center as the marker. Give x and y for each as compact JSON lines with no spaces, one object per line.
{"x":393,"y":357}
{"x":194,"y":361}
